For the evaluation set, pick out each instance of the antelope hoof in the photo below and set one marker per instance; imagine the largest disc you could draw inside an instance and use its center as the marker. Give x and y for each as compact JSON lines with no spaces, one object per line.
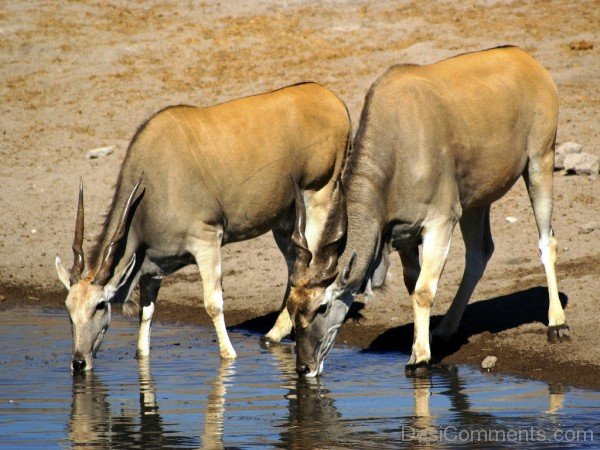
{"x":420,"y":369}
{"x":558,"y":333}
{"x":266,"y":341}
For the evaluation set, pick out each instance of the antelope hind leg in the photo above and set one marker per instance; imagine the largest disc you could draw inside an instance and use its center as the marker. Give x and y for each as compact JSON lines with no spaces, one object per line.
{"x":476,"y":232}
{"x":538,"y":178}
{"x":283,"y":324}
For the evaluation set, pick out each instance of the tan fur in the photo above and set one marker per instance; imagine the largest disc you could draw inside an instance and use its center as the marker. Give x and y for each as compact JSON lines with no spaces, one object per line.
{"x":222,"y":174}
{"x":437,"y":145}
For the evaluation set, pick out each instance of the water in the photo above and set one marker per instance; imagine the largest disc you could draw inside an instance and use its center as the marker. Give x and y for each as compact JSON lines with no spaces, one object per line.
{"x":185,"y":398}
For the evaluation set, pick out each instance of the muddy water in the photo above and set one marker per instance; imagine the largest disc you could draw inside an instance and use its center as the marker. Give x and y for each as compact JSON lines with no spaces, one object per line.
{"x":184,"y":397}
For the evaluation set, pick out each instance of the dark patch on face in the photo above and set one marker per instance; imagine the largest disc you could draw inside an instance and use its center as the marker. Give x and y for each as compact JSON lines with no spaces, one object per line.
{"x":303,"y":304}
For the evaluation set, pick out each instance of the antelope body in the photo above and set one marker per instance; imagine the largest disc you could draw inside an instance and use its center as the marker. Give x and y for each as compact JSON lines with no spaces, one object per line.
{"x":436,"y":146}
{"x":211,"y":176}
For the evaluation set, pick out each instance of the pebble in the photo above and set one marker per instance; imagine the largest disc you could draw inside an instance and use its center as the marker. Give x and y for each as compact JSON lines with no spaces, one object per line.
{"x":582,"y":164}
{"x":100,"y":152}
{"x":489,"y":362}
{"x":511,"y":219}
{"x":568,"y":148}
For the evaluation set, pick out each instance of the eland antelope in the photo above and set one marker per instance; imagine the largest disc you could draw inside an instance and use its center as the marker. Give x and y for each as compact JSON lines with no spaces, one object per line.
{"x":211,"y":176}
{"x":436,"y":146}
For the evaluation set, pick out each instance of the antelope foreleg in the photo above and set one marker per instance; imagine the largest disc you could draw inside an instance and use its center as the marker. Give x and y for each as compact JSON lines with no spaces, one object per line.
{"x":436,"y":243}
{"x":207,"y":252}
{"x":148,"y":292}
{"x":282,"y":235}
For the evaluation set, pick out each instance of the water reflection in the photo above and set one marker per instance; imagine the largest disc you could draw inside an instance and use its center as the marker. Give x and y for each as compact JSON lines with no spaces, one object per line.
{"x":89,"y":423}
{"x":420,"y":427}
{"x":556,"y":398}
{"x":188,"y":401}
{"x":212,"y":435}
{"x":313,"y":419}
{"x":94,"y":423}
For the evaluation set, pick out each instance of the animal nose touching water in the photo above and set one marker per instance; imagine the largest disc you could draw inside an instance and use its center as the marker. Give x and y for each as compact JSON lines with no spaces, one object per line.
{"x":211,"y":176}
{"x":436,"y":145}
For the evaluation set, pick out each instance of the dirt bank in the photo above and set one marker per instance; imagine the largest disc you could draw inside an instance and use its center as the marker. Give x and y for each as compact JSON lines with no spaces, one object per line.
{"x":77,"y":76}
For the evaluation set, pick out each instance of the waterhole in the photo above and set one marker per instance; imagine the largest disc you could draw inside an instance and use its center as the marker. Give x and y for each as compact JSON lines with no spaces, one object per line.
{"x":184,"y":397}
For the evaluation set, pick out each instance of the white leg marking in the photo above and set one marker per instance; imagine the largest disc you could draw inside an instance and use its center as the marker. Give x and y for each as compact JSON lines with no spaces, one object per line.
{"x":548,"y":249}
{"x":436,"y":244}
{"x":143,"y":347}
{"x":207,"y":253}
{"x":539,"y":186}
{"x":282,"y":327}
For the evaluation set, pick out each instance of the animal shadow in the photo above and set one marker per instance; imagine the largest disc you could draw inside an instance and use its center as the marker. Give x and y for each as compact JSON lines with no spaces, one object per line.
{"x":493,"y":315}
{"x":262,"y":324}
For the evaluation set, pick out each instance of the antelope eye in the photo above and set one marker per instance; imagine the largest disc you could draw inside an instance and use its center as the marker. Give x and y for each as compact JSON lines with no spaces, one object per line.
{"x":100,"y":306}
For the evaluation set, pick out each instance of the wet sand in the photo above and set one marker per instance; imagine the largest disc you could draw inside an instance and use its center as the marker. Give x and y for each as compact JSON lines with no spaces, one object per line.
{"x":83,"y":75}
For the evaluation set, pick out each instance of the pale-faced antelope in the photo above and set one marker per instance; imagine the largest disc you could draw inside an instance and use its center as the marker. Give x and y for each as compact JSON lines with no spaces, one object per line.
{"x":212,"y":176}
{"x":436,"y":146}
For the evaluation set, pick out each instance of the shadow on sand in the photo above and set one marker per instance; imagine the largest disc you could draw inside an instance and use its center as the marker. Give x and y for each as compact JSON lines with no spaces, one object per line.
{"x":493,"y":315}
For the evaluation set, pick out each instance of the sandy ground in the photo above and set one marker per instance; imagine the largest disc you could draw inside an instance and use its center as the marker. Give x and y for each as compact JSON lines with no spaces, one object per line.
{"x":81,"y":75}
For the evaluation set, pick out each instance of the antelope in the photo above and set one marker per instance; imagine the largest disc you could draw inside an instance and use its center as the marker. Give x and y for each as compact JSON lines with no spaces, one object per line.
{"x":211,"y":176}
{"x":436,"y":146}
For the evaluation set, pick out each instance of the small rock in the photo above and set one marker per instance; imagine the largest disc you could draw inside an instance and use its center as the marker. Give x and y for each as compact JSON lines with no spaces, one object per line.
{"x":33,"y":231}
{"x":100,"y":152}
{"x":2,"y":298}
{"x":569,"y":148}
{"x":588,"y":228}
{"x":489,"y":362}
{"x":511,"y":219}
{"x":562,"y":151}
{"x":582,"y":164}
{"x":559,"y":162}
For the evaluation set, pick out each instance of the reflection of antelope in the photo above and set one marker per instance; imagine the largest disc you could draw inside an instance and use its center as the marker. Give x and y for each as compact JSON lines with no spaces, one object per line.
{"x":314,"y":421}
{"x":212,"y":435}
{"x":93,"y":424}
{"x":90,"y":421}
{"x":556,"y":398}
{"x":211,"y":176}
{"x":424,"y":428}
{"x":436,"y":146}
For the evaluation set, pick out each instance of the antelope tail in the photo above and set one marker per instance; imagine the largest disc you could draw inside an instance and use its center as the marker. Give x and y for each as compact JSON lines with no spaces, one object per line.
{"x":131,"y":306}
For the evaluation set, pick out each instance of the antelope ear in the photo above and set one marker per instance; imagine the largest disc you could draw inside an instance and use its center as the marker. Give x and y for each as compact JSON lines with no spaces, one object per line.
{"x":119,"y":279}
{"x":345,"y":275}
{"x":63,"y":274}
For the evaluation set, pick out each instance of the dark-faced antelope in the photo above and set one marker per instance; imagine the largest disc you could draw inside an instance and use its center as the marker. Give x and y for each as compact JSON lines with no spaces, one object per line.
{"x":436,"y":146}
{"x":211,"y":176}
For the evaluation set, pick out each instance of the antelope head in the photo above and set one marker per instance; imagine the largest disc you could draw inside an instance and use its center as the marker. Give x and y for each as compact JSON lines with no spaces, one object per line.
{"x":88,"y":300}
{"x":317,"y":303}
